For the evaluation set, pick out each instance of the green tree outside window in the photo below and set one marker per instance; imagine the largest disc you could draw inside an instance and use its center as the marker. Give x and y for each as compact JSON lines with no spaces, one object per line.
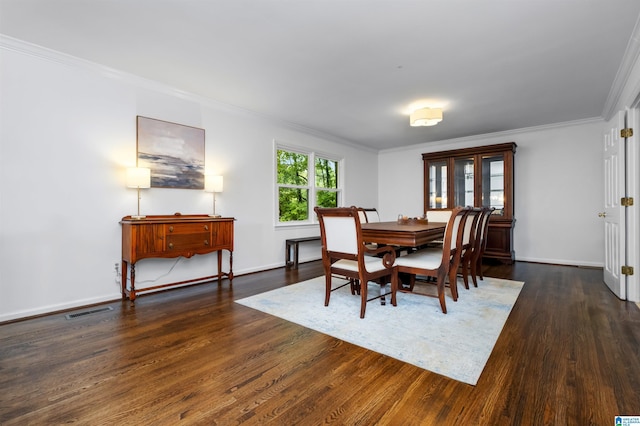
{"x":326,"y":182}
{"x":294,"y":188}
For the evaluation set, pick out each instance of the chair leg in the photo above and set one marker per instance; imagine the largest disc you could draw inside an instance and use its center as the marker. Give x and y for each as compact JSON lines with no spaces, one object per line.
{"x":363,"y":298}
{"x":412,"y":281}
{"x":465,"y":273}
{"x":453,"y":283}
{"x":453,"y":280}
{"x":441,"y":278}
{"x":394,"y":289}
{"x":355,"y":286}
{"x":479,"y":266}
{"x":474,"y":272}
{"x":327,"y":293}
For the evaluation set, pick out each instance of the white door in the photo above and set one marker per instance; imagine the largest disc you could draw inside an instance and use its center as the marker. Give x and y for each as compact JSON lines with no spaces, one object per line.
{"x":632,"y":214}
{"x":614,"y":213}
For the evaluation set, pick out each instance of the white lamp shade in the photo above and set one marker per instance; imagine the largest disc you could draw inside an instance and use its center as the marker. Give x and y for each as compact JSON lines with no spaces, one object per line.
{"x":138,"y":177}
{"x":426,"y":117}
{"x":213,"y":183}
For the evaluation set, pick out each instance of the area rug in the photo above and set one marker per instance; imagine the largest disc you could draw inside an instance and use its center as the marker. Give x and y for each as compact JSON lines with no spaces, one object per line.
{"x":456,"y":345}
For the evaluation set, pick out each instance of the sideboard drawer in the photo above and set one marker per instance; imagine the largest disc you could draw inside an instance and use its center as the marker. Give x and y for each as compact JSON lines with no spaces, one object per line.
{"x":188,"y":241}
{"x":186,"y":228}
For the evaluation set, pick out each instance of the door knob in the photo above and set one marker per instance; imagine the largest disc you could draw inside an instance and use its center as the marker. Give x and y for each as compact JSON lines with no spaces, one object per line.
{"x":603,"y":214}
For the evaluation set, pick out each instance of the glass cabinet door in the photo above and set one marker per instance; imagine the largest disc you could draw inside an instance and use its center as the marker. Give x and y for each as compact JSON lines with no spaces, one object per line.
{"x":493,"y":182}
{"x":480,"y":176}
{"x":437,"y":184}
{"x":463,"y":182}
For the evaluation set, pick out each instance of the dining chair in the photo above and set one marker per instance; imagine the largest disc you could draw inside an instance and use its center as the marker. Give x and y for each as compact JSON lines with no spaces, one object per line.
{"x":344,"y":253}
{"x":440,"y":215}
{"x":370,"y":214}
{"x":468,"y":242}
{"x":480,"y":245}
{"x":439,"y":263}
{"x":361,"y":214}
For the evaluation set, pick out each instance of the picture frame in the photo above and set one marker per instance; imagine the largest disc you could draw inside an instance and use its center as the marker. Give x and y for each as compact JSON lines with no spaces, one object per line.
{"x":174,"y":153}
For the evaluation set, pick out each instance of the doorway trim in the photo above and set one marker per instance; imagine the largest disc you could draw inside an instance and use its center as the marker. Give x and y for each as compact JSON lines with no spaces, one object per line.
{"x":632,"y":213}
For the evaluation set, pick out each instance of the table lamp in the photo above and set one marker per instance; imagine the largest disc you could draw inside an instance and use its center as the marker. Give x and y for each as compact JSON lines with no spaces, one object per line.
{"x":138,"y":177}
{"x":213,"y":183}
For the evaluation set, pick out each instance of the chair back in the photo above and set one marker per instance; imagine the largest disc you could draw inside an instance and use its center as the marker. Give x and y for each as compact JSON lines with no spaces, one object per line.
{"x":368,"y":215}
{"x":453,"y":236}
{"x":340,"y":231}
{"x":438,"y":215}
{"x":362,"y":215}
{"x":483,"y":225}
{"x":470,"y":227}
{"x":372,"y":215}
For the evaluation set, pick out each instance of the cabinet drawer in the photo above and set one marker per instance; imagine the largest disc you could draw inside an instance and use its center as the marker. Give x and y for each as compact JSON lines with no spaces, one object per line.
{"x":191,"y":241}
{"x":187,"y":228}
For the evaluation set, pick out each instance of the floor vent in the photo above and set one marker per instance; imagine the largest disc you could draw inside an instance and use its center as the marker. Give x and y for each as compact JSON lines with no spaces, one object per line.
{"x":84,"y":313}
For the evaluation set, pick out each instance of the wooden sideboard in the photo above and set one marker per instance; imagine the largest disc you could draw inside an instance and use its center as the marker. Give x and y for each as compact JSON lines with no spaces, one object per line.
{"x":173,"y":236}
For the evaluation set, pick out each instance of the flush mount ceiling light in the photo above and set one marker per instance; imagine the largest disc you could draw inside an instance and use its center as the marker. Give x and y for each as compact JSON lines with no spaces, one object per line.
{"x":425,"y":117}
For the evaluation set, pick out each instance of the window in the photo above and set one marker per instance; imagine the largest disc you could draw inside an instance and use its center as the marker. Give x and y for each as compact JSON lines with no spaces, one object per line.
{"x":297,"y":193}
{"x":464,"y":181}
{"x":438,"y":184}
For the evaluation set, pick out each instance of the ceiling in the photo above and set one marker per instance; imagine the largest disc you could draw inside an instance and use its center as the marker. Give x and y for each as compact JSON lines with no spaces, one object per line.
{"x":351,"y":69}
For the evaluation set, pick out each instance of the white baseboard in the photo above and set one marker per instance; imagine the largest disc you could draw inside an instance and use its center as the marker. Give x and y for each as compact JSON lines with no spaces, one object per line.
{"x":59,"y":307}
{"x":561,"y":262}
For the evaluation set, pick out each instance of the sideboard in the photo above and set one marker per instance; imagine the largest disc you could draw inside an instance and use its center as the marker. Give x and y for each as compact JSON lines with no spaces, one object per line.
{"x":172,"y":236}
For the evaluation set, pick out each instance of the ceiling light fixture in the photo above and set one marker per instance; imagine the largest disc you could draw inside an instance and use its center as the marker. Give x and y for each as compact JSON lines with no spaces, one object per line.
{"x":425,"y":117}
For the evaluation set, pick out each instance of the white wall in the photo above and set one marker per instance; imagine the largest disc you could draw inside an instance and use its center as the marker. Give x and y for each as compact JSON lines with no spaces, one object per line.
{"x":558,"y":189}
{"x":626,"y":95}
{"x":67,"y":133}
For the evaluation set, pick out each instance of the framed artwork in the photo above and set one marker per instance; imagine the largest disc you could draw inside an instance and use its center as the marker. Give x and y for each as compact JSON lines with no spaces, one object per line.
{"x":173,"y":152}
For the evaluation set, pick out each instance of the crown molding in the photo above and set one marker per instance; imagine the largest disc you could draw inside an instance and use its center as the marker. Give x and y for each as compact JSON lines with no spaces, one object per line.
{"x":505,"y":134}
{"x":629,"y":65}
{"x":40,"y":52}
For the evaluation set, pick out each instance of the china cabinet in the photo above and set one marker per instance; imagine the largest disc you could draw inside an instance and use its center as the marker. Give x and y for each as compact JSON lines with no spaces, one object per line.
{"x":478,"y":176}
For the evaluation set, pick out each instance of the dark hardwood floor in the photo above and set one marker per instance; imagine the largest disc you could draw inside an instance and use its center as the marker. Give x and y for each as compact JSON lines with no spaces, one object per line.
{"x":569,"y":354}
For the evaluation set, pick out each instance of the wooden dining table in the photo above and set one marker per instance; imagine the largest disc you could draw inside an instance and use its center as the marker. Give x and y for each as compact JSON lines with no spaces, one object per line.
{"x":402,"y":234}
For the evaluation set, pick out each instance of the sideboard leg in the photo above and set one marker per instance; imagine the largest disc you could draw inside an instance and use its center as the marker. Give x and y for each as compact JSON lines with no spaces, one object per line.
{"x":228,"y":274}
{"x":123,"y":278}
{"x":132,"y":292}
{"x":230,"y":268}
{"x":220,"y":267}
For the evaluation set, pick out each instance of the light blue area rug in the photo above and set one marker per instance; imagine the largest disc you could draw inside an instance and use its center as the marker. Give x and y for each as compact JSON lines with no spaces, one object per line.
{"x":456,"y":345}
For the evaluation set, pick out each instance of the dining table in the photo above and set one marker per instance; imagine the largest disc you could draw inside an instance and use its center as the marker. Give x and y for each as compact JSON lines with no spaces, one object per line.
{"x":410,"y":234}
{"x":404,"y":235}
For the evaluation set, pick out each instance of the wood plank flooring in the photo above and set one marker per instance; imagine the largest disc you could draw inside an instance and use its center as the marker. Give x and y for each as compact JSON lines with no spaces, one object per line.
{"x":569,"y":354}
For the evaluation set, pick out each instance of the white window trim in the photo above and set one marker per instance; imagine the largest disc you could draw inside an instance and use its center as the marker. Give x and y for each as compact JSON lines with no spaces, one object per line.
{"x":312,"y":154}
